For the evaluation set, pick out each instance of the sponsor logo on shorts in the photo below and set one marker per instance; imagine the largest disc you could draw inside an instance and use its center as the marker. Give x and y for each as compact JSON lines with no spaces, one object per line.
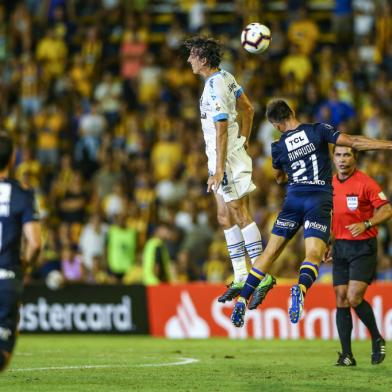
{"x":315,"y":226}
{"x":285,"y":223}
{"x":297,"y":140}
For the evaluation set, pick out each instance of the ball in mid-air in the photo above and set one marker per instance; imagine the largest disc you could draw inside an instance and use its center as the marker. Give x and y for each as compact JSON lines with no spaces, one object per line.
{"x":255,"y":38}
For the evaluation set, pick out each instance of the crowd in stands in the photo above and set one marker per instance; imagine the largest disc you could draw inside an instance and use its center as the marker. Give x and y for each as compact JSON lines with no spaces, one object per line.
{"x":104,"y":110}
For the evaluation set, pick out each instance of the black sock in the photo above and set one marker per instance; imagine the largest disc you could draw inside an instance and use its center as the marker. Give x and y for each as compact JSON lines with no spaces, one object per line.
{"x":3,"y":360}
{"x":308,"y":273}
{"x":344,"y":323}
{"x":365,"y":313}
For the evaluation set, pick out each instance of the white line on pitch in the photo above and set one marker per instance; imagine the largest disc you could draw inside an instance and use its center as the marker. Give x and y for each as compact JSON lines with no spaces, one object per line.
{"x":183,"y":361}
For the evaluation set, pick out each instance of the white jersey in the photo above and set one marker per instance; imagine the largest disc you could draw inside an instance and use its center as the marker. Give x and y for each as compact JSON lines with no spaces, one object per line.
{"x":218,"y":102}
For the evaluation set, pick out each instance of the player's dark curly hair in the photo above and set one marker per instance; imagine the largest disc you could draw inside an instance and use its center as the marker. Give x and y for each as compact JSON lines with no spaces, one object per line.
{"x":205,"y":48}
{"x":279,"y":111}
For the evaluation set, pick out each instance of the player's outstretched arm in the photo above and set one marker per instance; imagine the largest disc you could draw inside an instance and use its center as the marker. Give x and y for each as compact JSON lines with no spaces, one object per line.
{"x":363,"y":143}
{"x":246,"y":112}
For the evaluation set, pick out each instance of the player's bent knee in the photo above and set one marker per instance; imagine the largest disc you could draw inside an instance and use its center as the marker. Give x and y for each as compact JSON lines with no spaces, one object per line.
{"x":314,"y":255}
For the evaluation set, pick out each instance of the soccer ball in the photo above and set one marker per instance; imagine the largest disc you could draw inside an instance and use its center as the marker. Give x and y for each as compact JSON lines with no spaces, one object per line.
{"x":255,"y":38}
{"x":54,"y":280}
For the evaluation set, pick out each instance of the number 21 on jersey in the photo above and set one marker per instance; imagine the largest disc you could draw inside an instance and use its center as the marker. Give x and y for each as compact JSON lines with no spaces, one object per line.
{"x":302,"y":172}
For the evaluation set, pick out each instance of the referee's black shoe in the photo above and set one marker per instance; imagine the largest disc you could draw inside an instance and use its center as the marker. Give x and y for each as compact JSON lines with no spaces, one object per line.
{"x":379,"y":350}
{"x":346,"y":360}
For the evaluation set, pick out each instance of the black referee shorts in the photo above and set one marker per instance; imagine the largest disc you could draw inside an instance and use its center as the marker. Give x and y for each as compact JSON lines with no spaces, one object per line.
{"x":354,"y":260}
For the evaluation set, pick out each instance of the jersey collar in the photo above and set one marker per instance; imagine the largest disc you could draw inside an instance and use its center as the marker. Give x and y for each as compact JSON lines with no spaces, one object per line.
{"x":341,"y":181}
{"x":292,"y":130}
{"x":212,"y":75}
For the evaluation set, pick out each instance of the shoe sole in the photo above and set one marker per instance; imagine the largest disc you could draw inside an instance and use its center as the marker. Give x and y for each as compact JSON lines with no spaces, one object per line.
{"x":295,"y":309}
{"x":238,"y":313}
{"x":379,"y":361}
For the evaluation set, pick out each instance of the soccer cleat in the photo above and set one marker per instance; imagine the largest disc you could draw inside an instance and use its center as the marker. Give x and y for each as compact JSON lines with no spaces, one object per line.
{"x":261,"y":291}
{"x":238,"y":315}
{"x":346,"y":360}
{"x":297,"y":304}
{"x":379,"y":351}
{"x":233,"y":291}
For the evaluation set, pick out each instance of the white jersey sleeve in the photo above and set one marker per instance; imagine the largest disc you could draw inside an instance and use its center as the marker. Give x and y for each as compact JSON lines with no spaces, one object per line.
{"x":223,"y":92}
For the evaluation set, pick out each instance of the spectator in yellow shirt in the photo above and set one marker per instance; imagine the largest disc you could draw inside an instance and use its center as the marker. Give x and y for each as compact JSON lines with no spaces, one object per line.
{"x":166,"y":156}
{"x":304,"y":33}
{"x":52,"y":53}
{"x":296,"y":63}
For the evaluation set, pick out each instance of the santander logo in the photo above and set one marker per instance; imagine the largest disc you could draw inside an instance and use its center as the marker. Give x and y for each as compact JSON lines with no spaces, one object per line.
{"x":186,"y":323}
{"x":192,"y":311}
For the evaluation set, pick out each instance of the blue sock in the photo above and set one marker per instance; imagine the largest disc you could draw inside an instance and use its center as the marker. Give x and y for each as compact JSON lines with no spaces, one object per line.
{"x":252,"y":281}
{"x":308,"y":273}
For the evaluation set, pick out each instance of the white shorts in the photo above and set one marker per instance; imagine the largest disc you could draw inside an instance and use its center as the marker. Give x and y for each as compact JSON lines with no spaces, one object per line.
{"x":237,"y":181}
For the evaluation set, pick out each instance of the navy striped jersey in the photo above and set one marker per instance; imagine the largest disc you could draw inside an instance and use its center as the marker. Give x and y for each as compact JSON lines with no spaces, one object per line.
{"x":17,"y":207}
{"x":303,"y":154}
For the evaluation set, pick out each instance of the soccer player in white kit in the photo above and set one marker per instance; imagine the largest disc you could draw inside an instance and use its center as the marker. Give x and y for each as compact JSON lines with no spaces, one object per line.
{"x":229,"y":165}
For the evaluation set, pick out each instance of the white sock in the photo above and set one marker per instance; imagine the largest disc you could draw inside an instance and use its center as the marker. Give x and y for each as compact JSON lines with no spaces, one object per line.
{"x":252,"y":237}
{"x":236,"y":247}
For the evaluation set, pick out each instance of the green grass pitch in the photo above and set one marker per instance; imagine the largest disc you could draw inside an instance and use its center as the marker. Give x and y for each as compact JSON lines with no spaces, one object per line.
{"x":118,"y":363}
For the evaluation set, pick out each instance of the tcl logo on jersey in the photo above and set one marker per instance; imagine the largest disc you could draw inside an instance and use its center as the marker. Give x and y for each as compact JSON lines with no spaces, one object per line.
{"x":297,"y":140}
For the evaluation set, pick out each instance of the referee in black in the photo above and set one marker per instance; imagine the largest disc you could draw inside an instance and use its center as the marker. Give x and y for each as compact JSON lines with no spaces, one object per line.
{"x":18,"y":219}
{"x":359,"y":205}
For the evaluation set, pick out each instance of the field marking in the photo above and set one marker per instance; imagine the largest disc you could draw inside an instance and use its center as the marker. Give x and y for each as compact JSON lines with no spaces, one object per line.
{"x":183,"y":361}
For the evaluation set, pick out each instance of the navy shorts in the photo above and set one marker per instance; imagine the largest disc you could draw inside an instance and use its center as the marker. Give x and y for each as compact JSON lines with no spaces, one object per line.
{"x":354,"y":260}
{"x":312,"y":210}
{"x":10,"y":297}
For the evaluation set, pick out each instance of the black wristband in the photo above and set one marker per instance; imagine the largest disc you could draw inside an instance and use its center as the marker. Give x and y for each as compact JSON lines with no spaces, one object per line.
{"x":368,"y":224}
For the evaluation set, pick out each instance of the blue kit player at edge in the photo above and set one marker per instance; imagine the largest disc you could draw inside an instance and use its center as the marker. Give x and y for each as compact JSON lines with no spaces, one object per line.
{"x":18,"y":219}
{"x":300,"y":158}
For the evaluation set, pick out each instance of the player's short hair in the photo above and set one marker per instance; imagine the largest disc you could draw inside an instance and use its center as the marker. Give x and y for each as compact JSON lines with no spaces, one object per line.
{"x":353,"y":150}
{"x":205,"y":48}
{"x":6,"y":149}
{"x":279,"y":111}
